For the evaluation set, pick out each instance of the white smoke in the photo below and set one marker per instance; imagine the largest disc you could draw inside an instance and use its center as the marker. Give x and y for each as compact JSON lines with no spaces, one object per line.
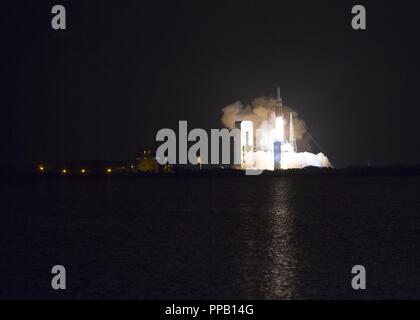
{"x":262,"y":113}
{"x":301,"y":160}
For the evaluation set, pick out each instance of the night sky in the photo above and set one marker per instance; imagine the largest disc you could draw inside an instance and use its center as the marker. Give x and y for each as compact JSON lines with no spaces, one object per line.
{"x":122,"y":70}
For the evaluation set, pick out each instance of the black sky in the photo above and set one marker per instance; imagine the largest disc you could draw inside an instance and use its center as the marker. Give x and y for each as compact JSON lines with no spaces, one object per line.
{"x":125,"y":69}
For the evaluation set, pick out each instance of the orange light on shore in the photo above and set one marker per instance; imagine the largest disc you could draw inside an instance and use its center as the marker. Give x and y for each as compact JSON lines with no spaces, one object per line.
{"x":41,"y":168}
{"x":83,"y":171}
{"x":64,"y":171}
{"x":109,"y":170}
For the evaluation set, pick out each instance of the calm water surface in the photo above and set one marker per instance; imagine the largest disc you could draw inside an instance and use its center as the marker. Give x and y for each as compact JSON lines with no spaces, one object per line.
{"x":206,"y":238}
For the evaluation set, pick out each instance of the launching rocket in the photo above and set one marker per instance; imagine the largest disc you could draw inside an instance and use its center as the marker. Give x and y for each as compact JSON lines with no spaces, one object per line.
{"x":279,"y":126}
{"x":279,"y":131}
{"x":265,"y":145}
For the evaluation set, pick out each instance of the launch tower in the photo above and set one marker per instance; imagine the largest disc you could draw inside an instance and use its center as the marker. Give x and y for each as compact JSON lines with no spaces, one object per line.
{"x":292,"y":137}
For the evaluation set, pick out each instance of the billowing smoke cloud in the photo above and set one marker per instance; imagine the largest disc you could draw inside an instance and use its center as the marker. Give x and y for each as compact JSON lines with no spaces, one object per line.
{"x":305,"y":159}
{"x":262,"y":113}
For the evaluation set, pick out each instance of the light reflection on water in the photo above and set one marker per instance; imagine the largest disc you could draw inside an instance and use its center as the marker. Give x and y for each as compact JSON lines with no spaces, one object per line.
{"x":224,"y":238}
{"x":281,"y":274}
{"x":269,"y":259}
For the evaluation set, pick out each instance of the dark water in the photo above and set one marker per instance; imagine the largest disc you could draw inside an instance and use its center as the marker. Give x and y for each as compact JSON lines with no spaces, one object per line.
{"x":245,"y":238}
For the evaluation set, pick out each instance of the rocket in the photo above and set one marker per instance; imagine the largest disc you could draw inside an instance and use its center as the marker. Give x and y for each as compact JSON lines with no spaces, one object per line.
{"x":279,"y":127}
{"x":279,"y":131}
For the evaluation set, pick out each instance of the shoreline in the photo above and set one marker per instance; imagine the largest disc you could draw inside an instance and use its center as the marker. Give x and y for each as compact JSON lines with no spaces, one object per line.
{"x":17,"y":176}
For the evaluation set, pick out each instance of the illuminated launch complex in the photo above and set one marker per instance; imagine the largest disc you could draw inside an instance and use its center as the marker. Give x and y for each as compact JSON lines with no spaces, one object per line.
{"x":268,"y":148}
